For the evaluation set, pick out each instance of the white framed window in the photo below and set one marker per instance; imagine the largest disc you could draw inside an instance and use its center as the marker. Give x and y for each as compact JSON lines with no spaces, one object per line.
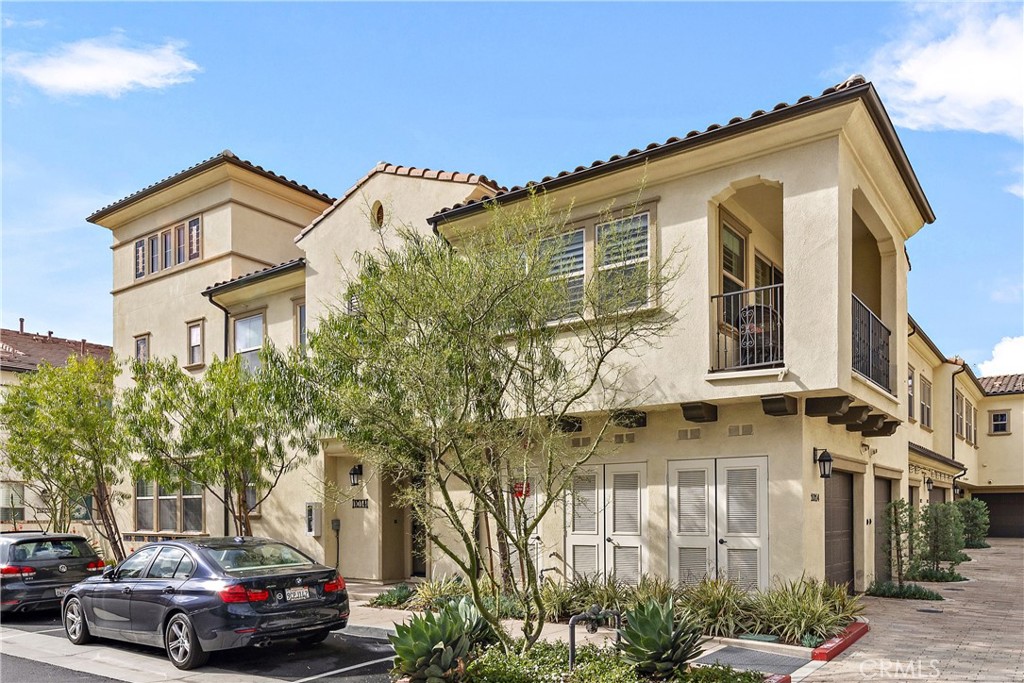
{"x":300,"y":324}
{"x":999,"y":422}
{"x":958,"y":403}
{"x":167,"y":248}
{"x":977,"y":425}
{"x":144,"y":505}
{"x":195,"y":334}
{"x":194,"y":239}
{"x":249,"y":340}
{"x":179,"y":244}
{"x":142,"y":348}
{"x":154,"y":254}
{"x":12,"y":502}
{"x":969,"y":412}
{"x":910,"y":392}
{"x":566,"y":253}
{"x":169,"y":508}
{"x":140,"y":259}
{"x":623,"y":261}
{"x":926,"y":403}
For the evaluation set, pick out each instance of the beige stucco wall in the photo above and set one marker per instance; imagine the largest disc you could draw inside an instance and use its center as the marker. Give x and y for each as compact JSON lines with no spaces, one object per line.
{"x":1001,"y":457}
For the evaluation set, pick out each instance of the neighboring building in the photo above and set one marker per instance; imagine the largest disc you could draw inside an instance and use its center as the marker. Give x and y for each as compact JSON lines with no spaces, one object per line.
{"x":790,"y":334}
{"x":23,"y":352}
{"x":1000,"y":428}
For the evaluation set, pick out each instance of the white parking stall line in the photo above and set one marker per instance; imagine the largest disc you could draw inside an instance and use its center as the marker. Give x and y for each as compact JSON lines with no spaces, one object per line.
{"x":347,"y":668}
{"x":18,"y":634}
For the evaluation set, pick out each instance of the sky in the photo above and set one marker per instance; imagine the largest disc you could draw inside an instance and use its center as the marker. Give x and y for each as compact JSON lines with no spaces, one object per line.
{"x":100,"y":100}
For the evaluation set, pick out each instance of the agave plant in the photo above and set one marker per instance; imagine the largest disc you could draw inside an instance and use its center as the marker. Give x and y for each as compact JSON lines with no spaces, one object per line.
{"x":432,"y":647}
{"x":657,"y":644}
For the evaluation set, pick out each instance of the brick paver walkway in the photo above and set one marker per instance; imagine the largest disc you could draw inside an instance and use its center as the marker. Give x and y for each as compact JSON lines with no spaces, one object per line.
{"x":978,"y":636}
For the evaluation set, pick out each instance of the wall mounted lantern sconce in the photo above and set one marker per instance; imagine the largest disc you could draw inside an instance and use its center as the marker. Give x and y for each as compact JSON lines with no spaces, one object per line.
{"x":824,"y":460}
{"x":929,"y":484}
{"x":355,"y":475}
{"x":957,"y":491}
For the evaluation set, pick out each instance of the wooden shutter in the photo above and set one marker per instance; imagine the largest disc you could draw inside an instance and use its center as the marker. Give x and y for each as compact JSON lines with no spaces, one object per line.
{"x":743,"y":567}
{"x":692,"y":501}
{"x":584,"y":504}
{"x":741,"y":511}
{"x":626,"y":503}
{"x":693,"y":564}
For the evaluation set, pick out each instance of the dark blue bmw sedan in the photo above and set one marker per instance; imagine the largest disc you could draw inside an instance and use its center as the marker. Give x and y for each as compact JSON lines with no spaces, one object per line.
{"x":193,"y":597}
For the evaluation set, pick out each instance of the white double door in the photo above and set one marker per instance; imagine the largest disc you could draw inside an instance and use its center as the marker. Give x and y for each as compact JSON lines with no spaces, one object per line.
{"x":606,"y":521}
{"x":718,"y":520}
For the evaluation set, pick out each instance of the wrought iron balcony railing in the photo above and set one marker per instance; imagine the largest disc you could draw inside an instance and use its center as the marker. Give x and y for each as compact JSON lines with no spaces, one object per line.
{"x":748,"y":329}
{"x":870,"y":345}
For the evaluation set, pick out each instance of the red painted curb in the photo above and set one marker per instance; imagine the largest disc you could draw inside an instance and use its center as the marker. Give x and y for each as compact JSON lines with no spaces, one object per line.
{"x":778,"y":678}
{"x":831,"y":648}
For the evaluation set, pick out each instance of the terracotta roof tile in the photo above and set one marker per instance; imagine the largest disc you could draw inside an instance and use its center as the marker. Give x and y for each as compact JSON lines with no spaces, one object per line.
{"x":257,"y":274}
{"x":227,"y":156}
{"x":851,"y":82}
{"x":24,"y":351}
{"x":385,"y":167}
{"x":1002,"y":384}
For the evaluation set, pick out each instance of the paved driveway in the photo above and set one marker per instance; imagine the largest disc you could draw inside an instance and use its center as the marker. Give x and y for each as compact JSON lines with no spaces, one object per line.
{"x":977,"y":636}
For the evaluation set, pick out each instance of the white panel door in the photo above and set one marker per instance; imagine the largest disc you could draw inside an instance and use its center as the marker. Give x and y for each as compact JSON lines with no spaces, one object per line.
{"x":606,"y":522}
{"x":692,"y":520}
{"x":718,"y":520}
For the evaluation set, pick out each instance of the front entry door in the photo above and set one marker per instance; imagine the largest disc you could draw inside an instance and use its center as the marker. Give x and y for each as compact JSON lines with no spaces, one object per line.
{"x":606,"y":521}
{"x":839,"y":528}
{"x":883,"y":496}
{"x":718,"y":520}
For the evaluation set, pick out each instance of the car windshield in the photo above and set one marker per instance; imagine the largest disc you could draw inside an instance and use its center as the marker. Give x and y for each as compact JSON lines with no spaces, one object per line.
{"x":51,"y":549}
{"x":262,"y":556}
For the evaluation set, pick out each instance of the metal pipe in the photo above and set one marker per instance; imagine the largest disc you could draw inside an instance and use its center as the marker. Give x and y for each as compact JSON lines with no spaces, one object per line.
{"x":227,"y":327}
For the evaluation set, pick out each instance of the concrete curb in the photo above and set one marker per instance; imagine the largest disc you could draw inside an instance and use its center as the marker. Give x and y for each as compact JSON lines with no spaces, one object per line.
{"x":374,"y":632}
{"x":833,"y":647}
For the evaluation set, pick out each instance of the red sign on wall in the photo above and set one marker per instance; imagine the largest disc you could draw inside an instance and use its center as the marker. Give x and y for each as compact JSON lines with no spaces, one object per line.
{"x":521,"y":489}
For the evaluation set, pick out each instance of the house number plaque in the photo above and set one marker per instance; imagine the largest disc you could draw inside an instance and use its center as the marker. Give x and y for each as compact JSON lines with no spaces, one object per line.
{"x":360,"y":503}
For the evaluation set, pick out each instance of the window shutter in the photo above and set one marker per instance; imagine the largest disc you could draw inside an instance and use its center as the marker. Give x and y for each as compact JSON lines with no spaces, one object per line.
{"x":584,"y":560}
{"x":692,"y":501}
{"x":566,"y":253}
{"x":743,"y":567}
{"x":626,"y":503}
{"x":741,"y":511}
{"x":626,"y":559}
{"x":693,"y":565}
{"x":624,"y":240}
{"x":584,"y":504}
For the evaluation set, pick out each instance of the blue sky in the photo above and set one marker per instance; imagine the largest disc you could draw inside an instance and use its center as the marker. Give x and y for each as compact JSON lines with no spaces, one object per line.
{"x":100,"y":100}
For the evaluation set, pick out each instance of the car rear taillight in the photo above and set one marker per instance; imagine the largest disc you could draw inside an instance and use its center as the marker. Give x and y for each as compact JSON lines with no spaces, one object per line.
{"x":334,"y":585}
{"x":95,"y":566}
{"x":239,"y":593}
{"x":14,"y":570}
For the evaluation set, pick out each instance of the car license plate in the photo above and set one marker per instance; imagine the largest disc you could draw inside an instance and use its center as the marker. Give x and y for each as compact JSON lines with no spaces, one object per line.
{"x":60,"y":592}
{"x":300,"y":593}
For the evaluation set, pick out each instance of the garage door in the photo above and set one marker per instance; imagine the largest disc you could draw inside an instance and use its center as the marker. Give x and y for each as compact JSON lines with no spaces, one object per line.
{"x":839,"y":528}
{"x":937,"y":495}
{"x":883,"y":496}
{"x":1005,"y":513}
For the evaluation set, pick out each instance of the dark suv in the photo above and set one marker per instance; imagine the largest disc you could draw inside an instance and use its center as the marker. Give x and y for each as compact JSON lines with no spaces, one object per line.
{"x":38,"y":568}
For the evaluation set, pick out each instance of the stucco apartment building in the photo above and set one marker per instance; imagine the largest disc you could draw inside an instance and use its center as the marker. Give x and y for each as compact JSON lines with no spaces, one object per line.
{"x":790,"y":336}
{"x":23,"y":352}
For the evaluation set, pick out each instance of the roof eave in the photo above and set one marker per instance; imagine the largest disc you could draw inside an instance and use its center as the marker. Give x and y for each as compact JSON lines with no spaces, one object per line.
{"x":246,"y":280}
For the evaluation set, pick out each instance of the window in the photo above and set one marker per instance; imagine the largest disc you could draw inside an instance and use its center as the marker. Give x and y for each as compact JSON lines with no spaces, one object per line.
{"x":140,"y":258}
{"x":974,"y":421}
{"x":999,"y":422}
{"x":194,"y":354}
{"x":166,"y":563}
{"x":142,"y":348}
{"x":12,"y":502}
{"x":154,"y":254}
{"x":910,"y":392}
{"x":133,"y":567}
{"x":194,"y":238}
{"x":178,"y":509}
{"x":767,"y":274}
{"x":958,"y":402}
{"x":300,"y":324}
{"x":926,"y":403}
{"x":179,"y":244}
{"x":734,"y":273}
{"x":168,"y":248}
{"x":969,"y":412}
{"x":143,"y":505}
{"x":249,"y":340}
{"x":566,"y":264}
{"x":623,"y":255}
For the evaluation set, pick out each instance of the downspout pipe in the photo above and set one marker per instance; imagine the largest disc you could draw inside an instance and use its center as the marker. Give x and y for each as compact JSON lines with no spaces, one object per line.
{"x":962,"y":473}
{"x":227,"y":327}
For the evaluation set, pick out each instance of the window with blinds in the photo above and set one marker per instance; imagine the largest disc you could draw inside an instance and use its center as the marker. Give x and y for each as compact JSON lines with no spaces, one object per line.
{"x":626,"y":503}
{"x":584,"y":504}
{"x":566,"y":254}
{"x":741,"y":501}
{"x":692,"y":501}
{"x":623,"y":249}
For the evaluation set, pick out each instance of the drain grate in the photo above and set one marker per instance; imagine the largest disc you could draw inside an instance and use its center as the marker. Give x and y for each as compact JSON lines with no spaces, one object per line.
{"x":953,"y":589}
{"x":753,"y":660}
{"x":930,"y":610}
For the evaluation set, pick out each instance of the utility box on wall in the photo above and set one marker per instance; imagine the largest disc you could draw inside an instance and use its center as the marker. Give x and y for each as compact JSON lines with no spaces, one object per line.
{"x":314,"y":519}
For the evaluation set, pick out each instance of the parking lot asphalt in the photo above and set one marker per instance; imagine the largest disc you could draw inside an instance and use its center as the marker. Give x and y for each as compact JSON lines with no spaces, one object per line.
{"x":341,"y":658}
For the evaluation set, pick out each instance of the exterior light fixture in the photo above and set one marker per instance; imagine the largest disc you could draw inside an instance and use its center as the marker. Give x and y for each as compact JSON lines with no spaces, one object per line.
{"x":957,"y":491}
{"x":355,"y":475}
{"x":929,"y":484}
{"x":824,"y":460}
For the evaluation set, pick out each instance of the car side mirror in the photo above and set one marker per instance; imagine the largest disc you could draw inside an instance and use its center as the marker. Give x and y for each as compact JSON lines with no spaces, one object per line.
{"x":110,"y":573}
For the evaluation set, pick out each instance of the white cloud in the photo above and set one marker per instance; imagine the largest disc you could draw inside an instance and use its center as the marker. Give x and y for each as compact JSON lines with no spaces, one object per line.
{"x":1007,"y":358}
{"x":1006,"y":291}
{"x":103,"y":66}
{"x":10,"y":22}
{"x":956,"y":67}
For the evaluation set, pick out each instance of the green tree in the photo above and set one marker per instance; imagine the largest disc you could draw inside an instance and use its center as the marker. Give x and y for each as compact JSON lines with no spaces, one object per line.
{"x":942,"y":535}
{"x":457,"y":368}
{"x":975,"y":515}
{"x":901,"y":532}
{"x":61,"y":434}
{"x":227,"y":430}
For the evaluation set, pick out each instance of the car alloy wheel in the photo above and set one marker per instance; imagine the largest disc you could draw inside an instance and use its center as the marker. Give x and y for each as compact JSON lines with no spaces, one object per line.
{"x":74,"y":622}
{"x":182,"y":645}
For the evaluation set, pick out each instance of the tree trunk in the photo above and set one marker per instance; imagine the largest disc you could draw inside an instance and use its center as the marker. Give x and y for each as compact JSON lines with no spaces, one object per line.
{"x":110,"y":532}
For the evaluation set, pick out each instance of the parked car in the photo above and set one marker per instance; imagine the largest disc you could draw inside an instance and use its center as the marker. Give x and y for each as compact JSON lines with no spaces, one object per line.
{"x":193,"y":597}
{"x":38,"y":568}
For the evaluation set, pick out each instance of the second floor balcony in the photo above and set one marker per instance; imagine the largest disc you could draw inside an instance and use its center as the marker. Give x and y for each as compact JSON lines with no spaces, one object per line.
{"x":748,"y":329}
{"x":871,"y":346}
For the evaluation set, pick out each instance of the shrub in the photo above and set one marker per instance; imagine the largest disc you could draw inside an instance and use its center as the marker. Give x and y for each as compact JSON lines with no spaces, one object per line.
{"x":557,"y":599}
{"x":720,"y":606}
{"x":432,"y":647}
{"x":648,"y":588}
{"x":974,"y":513}
{"x":656,"y":643}
{"x":605,"y":591}
{"x":549,"y":663}
{"x":901,"y":532}
{"x":942,"y":535}
{"x":794,"y":610}
{"x":941,"y":575}
{"x":719,"y":673}
{"x":610,"y":668}
{"x":908,"y":591}
{"x":396,"y":596}
{"x":436,"y":594}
